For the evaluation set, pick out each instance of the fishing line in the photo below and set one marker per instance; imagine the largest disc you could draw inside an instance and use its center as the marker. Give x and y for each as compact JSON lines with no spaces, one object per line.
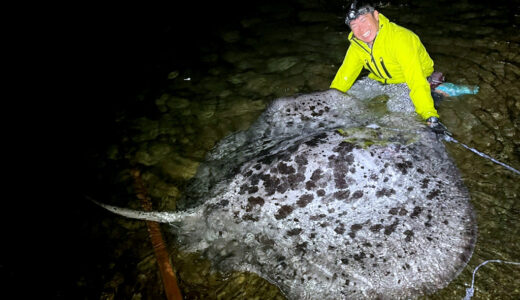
{"x":449,"y":138}
{"x":470,"y":291}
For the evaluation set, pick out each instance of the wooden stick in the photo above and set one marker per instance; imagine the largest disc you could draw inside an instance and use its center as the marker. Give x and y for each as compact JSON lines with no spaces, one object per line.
{"x":171,"y":288}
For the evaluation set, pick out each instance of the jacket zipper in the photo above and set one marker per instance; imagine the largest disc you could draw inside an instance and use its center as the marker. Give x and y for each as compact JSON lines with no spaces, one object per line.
{"x":373,"y":60}
{"x":355,"y":40}
{"x":372,"y":57}
{"x":384,"y":67}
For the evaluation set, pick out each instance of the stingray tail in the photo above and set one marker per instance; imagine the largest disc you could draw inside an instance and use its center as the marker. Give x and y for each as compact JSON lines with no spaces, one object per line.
{"x":156,"y":216}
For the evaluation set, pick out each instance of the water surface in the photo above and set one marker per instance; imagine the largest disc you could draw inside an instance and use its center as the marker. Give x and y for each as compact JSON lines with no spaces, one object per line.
{"x":282,"y":49}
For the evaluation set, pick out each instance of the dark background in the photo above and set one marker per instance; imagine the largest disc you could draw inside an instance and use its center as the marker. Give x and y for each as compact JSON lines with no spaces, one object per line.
{"x":113,"y":54}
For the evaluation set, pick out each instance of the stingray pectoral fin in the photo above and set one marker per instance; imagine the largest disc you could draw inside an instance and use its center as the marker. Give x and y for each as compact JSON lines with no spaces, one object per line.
{"x":156,"y":216}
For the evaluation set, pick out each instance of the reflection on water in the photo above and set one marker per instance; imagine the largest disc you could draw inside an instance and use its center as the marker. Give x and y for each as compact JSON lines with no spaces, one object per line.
{"x":287,"y":49}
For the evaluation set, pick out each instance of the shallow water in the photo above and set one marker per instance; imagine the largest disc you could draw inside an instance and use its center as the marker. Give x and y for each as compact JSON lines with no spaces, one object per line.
{"x":285,"y":49}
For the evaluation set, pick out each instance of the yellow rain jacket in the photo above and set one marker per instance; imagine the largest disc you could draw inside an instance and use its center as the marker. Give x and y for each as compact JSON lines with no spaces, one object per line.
{"x":397,"y":56}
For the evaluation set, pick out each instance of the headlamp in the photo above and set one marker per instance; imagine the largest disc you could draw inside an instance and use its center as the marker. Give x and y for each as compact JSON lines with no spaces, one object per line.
{"x":354,"y":12}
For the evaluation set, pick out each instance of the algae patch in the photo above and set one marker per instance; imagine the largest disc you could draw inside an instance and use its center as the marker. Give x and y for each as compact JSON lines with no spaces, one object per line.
{"x":374,"y":135}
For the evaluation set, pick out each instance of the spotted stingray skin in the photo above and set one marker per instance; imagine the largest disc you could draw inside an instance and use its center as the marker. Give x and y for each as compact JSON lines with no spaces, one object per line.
{"x":323,"y":216}
{"x":378,"y":211}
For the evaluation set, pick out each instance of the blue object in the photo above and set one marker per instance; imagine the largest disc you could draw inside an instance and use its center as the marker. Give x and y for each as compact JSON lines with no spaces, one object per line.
{"x":453,"y":90}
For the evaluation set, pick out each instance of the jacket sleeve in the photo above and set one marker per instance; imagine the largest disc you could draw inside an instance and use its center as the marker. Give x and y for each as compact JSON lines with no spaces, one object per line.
{"x":348,"y":72}
{"x":409,"y":58}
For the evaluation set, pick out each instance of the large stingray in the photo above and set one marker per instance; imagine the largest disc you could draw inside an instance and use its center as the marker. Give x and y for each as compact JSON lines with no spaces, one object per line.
{"x":374,"y":210}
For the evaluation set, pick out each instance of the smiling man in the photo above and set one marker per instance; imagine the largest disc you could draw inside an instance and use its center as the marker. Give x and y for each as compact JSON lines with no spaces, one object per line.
{"x":392,"y":54}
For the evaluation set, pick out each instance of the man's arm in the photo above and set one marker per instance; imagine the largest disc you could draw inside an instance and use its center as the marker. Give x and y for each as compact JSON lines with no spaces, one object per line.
{"x":348,"y":72}
{"x":409,"y":58}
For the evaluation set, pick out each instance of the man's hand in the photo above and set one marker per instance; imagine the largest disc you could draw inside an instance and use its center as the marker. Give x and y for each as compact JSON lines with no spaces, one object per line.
{"x":436,"y":126}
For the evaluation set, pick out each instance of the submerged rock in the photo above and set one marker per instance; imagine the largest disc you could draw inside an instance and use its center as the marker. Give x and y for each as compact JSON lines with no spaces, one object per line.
{"x":374,"y":210}
{"x":276,"y":65}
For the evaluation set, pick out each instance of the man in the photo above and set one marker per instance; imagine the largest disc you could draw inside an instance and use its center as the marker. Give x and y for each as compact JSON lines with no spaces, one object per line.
{"x":392,"y":54}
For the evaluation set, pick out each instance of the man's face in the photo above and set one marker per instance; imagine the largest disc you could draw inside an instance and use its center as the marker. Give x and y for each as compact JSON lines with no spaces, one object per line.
{"x":365,"y":27}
